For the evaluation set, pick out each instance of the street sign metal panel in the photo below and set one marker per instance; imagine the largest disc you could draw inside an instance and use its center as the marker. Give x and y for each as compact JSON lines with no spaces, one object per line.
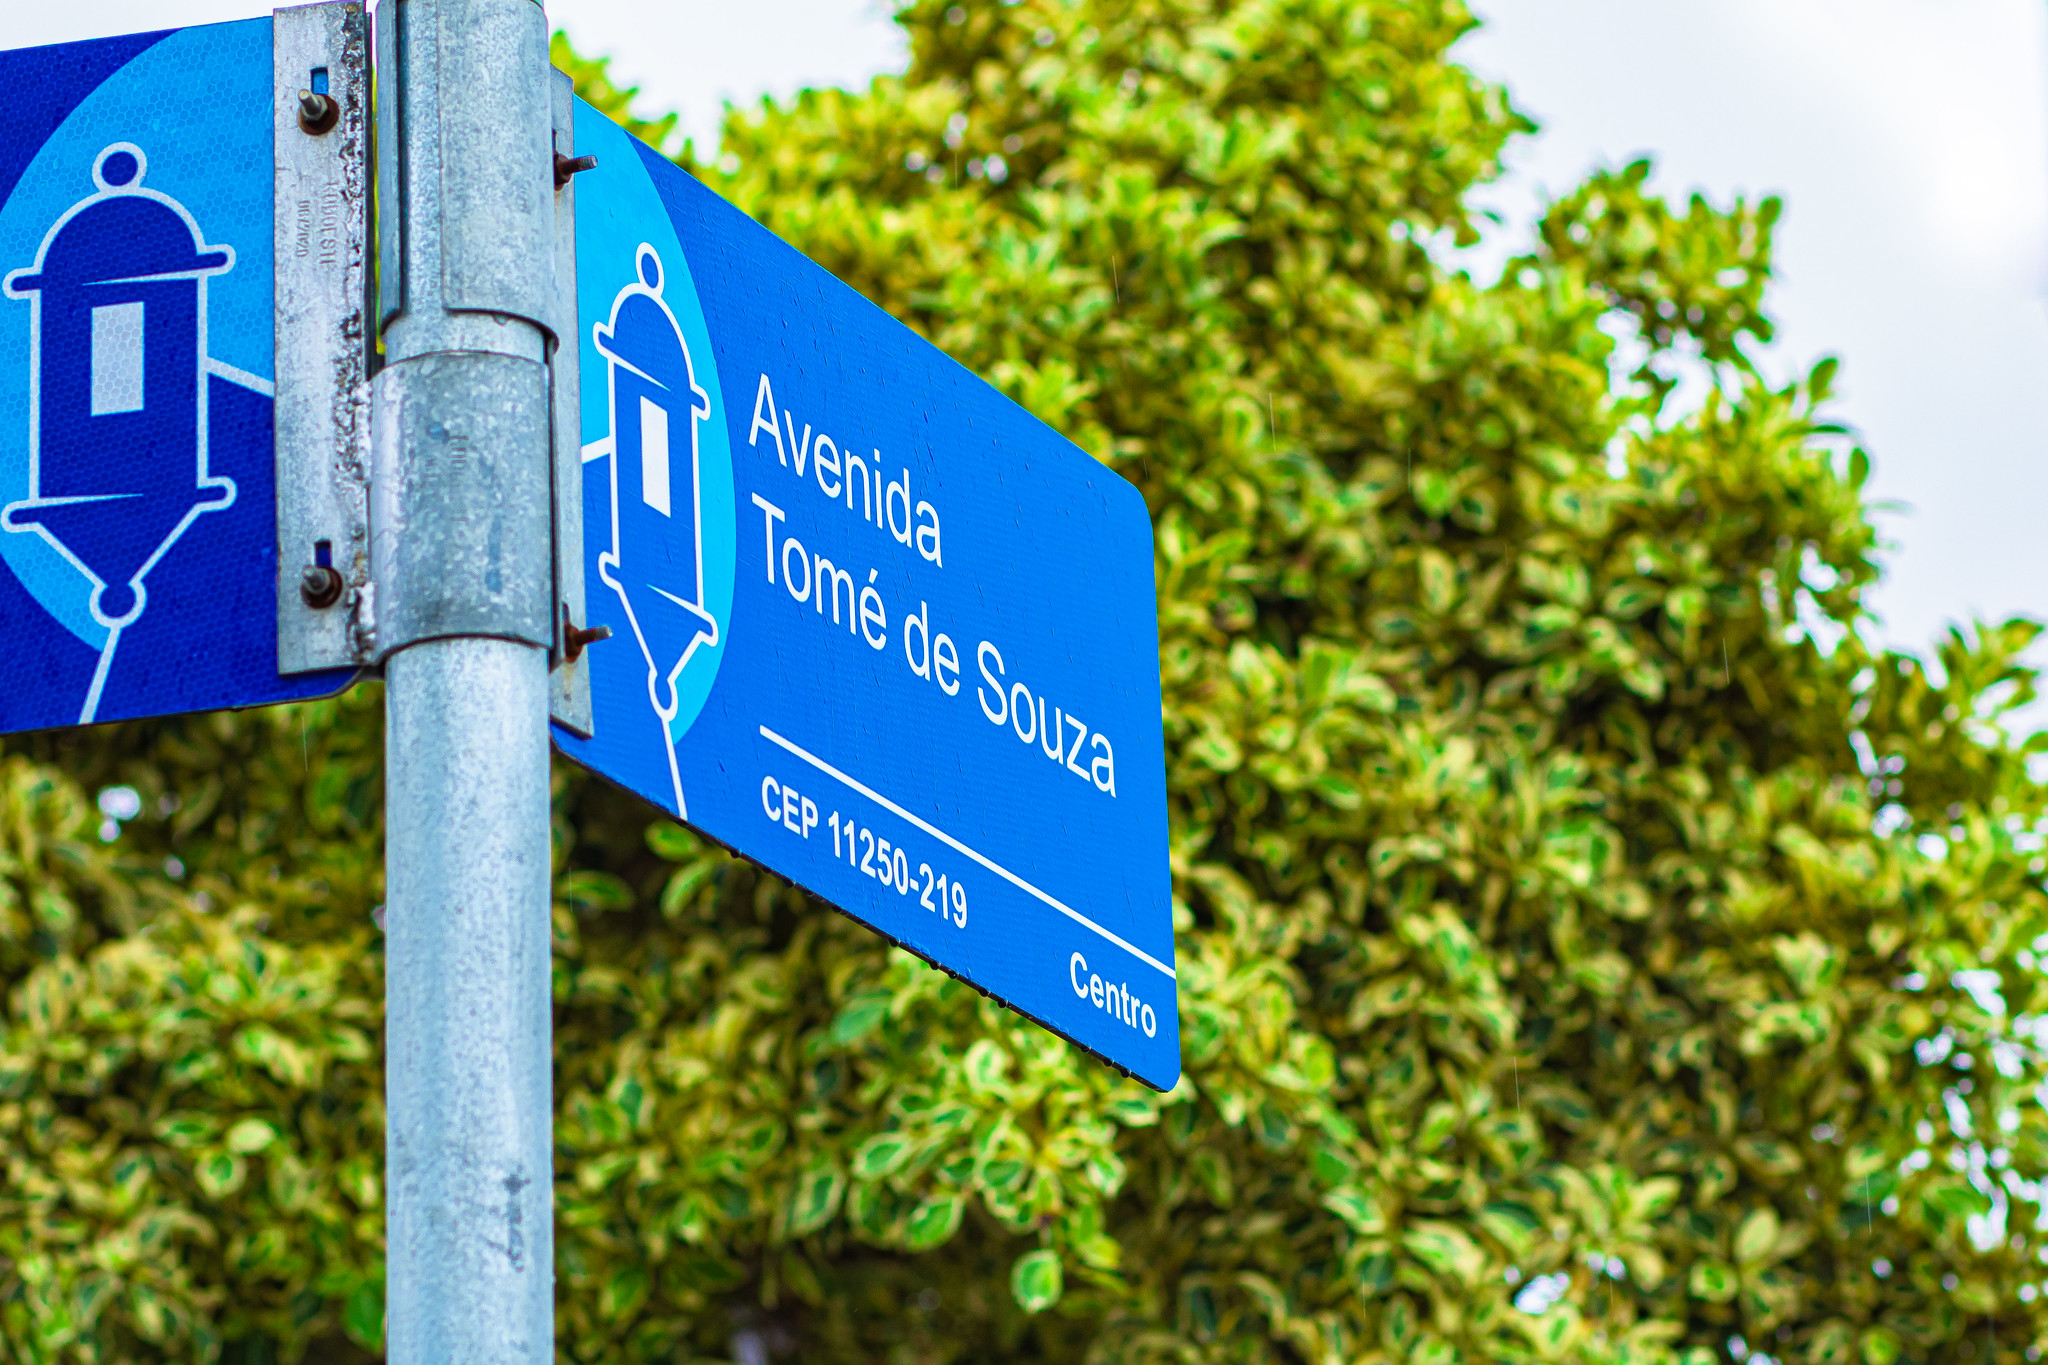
{"x":873,"y":625}
{"x":137,"y":509}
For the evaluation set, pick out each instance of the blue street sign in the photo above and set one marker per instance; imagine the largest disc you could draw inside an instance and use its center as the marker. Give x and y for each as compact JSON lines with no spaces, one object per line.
{"x":873,"y":625}
{"x":138,"y":537}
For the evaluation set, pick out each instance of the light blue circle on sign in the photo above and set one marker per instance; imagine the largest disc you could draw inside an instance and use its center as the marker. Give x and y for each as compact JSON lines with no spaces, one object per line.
{"x":198,"y":106}
{"x":612,"y":231}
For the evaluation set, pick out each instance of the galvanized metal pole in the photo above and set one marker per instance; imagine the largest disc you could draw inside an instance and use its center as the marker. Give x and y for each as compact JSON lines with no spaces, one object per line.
{"x":469,"y":1214}
{"x":462,"y":616}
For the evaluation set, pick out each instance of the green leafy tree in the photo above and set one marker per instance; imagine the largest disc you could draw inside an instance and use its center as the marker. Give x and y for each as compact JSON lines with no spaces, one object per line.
{"x":1591,"y":949}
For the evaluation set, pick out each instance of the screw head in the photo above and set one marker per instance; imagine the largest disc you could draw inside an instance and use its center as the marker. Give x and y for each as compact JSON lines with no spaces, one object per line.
{"x":317,"y":113}
{"x":575,"y":638}
{"x":569,"y":166}
{"x":320,"y":585}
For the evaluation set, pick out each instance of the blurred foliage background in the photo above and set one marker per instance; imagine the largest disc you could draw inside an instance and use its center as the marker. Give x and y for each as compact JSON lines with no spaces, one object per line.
{"x":1590,"y":948}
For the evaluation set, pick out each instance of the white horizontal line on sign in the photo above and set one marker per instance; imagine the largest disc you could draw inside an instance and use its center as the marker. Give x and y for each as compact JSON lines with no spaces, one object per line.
{"x":886,"y":804}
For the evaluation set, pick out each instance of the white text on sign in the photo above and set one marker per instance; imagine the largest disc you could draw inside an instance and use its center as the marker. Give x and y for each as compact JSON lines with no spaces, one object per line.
{"x":838,"y":598}
{"x":867,"y":852}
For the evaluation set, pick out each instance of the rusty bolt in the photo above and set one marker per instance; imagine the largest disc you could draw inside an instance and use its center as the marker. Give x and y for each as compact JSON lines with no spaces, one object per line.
{"x":320,"y":585}
{"x":575,"y":637}
{"x":317,"y":113}
{"x":566,"y":166}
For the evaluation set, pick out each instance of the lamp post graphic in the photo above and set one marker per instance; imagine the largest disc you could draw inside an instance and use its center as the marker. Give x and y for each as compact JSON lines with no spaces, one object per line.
{"x":117,"y":389}
{"x":657,"y":501}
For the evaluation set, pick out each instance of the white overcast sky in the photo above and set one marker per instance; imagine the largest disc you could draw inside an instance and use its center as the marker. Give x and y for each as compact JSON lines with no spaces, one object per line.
{"x":1908,"y":137}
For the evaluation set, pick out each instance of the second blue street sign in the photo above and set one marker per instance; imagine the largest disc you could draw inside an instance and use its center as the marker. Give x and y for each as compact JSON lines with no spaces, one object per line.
{"x":138,"y":520}
{"x":873,"y":625}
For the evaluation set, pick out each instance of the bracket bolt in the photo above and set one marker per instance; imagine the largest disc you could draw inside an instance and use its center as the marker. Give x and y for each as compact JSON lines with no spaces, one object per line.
{"x":575,"y":637}
{"x":567,"y":166}
{"x":320,"y":585}
{"x":317,"y":113}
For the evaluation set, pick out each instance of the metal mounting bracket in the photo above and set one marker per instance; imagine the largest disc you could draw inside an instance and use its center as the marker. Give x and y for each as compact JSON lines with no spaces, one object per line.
{"x":340,"y":601}
{"x":569,"y":683}
{"x":459,"y":516}
{"x":487,"y":258}
{"x":322,"y":194}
